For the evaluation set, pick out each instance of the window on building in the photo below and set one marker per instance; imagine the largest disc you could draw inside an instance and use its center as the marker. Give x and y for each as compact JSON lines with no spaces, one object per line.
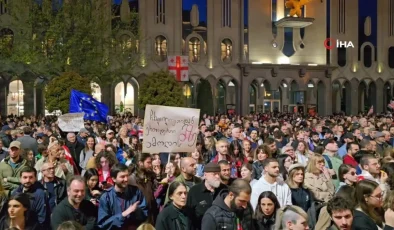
{"x":126,"y":43}
{"x":161,"y":48}
{"x":391,"y":57}
{"x":194,"y":49}
{"x":226,"y":13}
{"x":227,"y":50}
{"x":342,"y":56}
{"x":367,"y":56}
{"x":6,"y":40}
{"x":3,"y":6}
{"x":160,"y":11}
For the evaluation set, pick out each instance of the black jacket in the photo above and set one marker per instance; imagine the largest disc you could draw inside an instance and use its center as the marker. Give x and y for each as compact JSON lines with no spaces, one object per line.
{"x":60,"y":189}
{"x":86,"y":215}
{"x":257,"y":170}
{"x":301,"y":197}
{"x":169,"y":219}
{"x":75,"y":150}
{"x":31,"y":223}
{"x":220,"y":216}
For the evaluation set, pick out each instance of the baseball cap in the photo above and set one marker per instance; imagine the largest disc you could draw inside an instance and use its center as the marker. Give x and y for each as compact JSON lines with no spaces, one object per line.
{"x":15,"y":144}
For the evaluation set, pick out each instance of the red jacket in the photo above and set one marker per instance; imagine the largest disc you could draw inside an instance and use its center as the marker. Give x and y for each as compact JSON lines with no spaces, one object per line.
{"x":101,"y":177}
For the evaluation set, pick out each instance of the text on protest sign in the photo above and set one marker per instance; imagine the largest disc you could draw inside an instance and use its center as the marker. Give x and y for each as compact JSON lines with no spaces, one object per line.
{"x":170,"y":129}
{"x":71,"y":122}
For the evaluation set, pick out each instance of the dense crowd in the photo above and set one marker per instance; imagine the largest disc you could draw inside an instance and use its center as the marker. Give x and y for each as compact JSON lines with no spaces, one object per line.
{"x":254,"y":172}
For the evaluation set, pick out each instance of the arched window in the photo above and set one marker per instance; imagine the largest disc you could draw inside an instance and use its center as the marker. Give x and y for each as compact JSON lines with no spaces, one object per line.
{"x":188,"y":93}
{"x":194,"y":49}
{"x":252,"y":98}
{"x":3,"y":7}
{"x":124,"y":99}
{"x":15,"y":100}
{"x":126,"y":43}
{"x":391,"y":57}
{"x":227,"y":50}
{"x":367,"y":56}
{"x":160,"y":48}
{"x":96,"y":91}
{"x":6,"y":39}
{"x":342,"y":56}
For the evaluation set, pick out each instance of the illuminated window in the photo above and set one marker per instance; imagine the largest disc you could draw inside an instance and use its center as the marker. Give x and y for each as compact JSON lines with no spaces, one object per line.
{"x":15,"y":98}
{"x":227,"y":50}
{"x":96,"y":91}
{"x":160,"y":48}
{"x":194,"y":49}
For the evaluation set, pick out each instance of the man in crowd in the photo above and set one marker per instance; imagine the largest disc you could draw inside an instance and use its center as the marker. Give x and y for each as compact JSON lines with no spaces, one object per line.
{"x":55,"y":187}
{"x":82,"y":136}
{"x":201,"y":196}
{"x":352,"y":149}
{"x":11,"y":167}
{"x":123,"y":205}
{"x":371,"y":171}
{"x":222,"y":151}
{"x":231,"y":209}
{"x":341,"y":213}
{"x":75,"y":148}
{"x":332,"y":162}
{"x":270,"y":181}
{"x":188,"y":172}
{"x":225,"y":172}
{"x":28,"y":142}
{"x":39,"y":201}
{"x":75,"y":207}
{"x":5,"y":135}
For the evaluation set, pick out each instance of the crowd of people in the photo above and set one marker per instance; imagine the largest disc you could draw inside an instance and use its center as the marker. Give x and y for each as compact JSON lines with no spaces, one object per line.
{"x":254,"y":172}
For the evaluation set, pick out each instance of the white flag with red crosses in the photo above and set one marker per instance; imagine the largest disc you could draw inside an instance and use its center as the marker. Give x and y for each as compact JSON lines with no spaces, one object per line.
{"x":179,"y":66}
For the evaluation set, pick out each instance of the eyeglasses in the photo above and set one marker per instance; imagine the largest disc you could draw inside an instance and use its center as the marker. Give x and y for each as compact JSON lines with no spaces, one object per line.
{"x":379,"y":197}
{"x":352,"y":173}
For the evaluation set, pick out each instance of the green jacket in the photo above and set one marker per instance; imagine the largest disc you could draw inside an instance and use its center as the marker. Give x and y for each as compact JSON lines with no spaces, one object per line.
{"x":180,"y":178}
{"x":12,"y":174}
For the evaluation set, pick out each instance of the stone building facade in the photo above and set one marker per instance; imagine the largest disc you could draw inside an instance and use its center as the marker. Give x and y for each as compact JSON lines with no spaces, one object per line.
{"x":255,"y":57}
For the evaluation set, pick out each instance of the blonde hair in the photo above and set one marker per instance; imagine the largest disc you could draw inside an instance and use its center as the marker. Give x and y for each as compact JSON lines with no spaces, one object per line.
{"x":311,"y":167}
{"x":288,"y":213}
{"x":146,"y":226}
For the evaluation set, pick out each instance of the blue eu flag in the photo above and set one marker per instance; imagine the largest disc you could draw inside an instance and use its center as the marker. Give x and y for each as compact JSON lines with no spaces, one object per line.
{"x":93,"y":109}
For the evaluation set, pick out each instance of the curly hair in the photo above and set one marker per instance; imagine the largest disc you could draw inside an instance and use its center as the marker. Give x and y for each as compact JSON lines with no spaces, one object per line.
{"x":110,"y":156}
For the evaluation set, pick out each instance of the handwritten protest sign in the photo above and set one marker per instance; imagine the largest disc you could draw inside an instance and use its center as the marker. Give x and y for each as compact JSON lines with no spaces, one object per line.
{"x":71,"y":122}
{"x":170,"y":129}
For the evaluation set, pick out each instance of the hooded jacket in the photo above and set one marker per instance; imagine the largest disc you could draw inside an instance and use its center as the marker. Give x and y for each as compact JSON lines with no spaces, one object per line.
{"x":279,"y":188}
{"x":220,"y":216}
{"x":38,"y":201}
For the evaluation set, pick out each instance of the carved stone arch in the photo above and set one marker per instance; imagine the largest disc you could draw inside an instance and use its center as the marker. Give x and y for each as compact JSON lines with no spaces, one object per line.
{"x":372,"y":53}
{"x":202,"y":44}
{"x":195,"y":78}
{"x":220,"y":40}
{"x":212,"y":80}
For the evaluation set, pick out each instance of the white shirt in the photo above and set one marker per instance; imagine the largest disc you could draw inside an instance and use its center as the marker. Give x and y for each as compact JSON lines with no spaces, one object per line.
{"x":279,"y":188}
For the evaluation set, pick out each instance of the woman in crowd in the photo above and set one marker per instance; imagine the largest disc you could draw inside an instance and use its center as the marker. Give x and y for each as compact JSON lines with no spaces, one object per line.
{"x":123,"y":135}
{"x":93,"y":192}
{"x":346,"y":175}
{"x":29,"y":156}
{"x":389,"y":169}
{"x":63,"y":169}
{"x":172,"y":171}
{"x":369,"y":212}
{"x":247,"y":150}
{"x":318,"y":179}
{"x":209,"y":155}
{"x":86,"y":153}
{"x":246,"y":173}
{"x":19,"y":215}
{"x":261,"y":153}
{"x":284,"y":164}
{"x":104,"y":162}
{"x":173,"y":216}
{"x":300,"y":195}
{"x":302,"y":153}
{"x":200,"y":162}
{"x":238,"y":158}
{"x":264,"y":215}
